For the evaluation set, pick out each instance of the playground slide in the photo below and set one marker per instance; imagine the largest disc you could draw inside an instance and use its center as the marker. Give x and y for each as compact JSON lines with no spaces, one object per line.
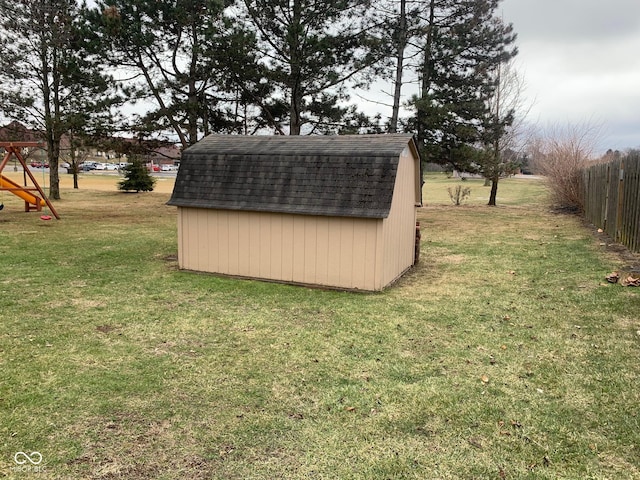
{"x":26,"y":196}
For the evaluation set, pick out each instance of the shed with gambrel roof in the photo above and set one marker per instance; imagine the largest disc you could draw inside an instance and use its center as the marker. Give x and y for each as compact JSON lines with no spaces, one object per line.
{"x":331,"y":211}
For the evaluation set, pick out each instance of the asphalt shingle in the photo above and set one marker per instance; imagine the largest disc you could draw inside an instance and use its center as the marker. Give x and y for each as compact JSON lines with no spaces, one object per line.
{"x":350,"y":175}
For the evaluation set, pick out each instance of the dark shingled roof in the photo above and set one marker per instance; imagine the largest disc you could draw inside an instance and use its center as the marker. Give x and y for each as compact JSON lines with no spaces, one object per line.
{"x":349,"y":176}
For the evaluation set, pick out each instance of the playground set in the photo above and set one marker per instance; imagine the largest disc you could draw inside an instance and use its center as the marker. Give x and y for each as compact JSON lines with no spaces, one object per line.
{"x":32,"y":202}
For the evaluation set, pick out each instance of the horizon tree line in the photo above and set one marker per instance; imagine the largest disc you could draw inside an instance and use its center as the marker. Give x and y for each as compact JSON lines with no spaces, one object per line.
{"x":255,"y":66}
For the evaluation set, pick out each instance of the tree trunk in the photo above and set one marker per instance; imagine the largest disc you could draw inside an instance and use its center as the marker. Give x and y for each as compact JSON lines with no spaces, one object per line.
{"x":192,"y":113}
{"x":50,"y":110}
{"x":295,"y":109}
{"x":192,"y":99}
{"x":425,"y":86}
{"x":56,"y":125}
{"x":426,"y":65}
{"x":425,"y":81}
{"x":494,"y":191}
{"x":295,"y":120}
{"x":401,"y":45}
{"x":54,"y":179}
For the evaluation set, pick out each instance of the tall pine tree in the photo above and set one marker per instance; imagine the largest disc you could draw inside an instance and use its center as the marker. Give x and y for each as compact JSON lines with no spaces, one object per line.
{"x":463,"y":44}
{"x":313,"y":51}
{"x":183,"y":57}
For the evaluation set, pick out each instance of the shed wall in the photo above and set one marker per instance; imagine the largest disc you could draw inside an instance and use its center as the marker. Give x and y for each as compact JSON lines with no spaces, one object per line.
{"x":339,"y":252}
{"x":399,"y":228}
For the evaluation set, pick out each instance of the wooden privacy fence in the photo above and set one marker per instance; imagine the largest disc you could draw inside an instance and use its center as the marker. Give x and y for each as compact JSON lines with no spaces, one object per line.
{"x":611,"y":194}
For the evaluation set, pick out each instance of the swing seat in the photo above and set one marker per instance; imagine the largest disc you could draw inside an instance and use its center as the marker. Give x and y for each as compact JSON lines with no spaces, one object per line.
{"x":45,"y":217}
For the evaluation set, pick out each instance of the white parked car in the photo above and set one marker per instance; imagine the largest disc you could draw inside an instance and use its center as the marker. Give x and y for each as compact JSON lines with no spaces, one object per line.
{"x":111,"y":166}
{"x":101,"y":166}
{"x":86,"y":166}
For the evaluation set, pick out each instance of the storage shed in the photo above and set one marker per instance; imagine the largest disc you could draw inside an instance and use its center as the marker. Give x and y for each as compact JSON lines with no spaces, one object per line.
{"x":331,"y":211}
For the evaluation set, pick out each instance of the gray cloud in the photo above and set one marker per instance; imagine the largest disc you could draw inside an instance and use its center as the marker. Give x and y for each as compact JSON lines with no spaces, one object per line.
{"x":573,"y":20}
{"x":580,"y":62}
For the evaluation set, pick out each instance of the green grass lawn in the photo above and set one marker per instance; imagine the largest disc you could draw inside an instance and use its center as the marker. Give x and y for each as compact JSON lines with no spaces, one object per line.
{"x":521,"y":191}
{"x":504,"y":354}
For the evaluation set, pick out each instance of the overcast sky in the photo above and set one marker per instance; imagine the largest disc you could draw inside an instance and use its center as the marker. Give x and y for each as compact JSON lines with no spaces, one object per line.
{"x":581,"y":62}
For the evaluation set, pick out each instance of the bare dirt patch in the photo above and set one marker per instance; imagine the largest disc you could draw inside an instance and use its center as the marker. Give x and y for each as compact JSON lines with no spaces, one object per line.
{"x":628,"y":260}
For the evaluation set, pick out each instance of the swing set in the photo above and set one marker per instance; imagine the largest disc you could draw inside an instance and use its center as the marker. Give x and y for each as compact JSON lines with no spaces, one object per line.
{"x":32,"y":202}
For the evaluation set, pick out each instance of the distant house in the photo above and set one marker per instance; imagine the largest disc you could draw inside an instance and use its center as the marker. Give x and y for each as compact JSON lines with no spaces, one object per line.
{"x":331,"y":211}
{"x":16,"y":131}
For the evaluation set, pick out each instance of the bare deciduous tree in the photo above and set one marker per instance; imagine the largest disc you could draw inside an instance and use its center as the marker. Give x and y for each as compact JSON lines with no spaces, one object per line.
{"x":508,"y":111}
{"x":560,"y":153}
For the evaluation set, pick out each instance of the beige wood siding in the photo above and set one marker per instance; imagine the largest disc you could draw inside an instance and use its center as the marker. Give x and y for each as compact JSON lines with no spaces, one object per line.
{"x":329,"y":251}
{"x":400,"y":226}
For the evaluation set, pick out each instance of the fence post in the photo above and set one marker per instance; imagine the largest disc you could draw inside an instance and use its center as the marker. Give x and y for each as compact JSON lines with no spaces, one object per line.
{"x":619,"y":230}
{"x":606,"y":198}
